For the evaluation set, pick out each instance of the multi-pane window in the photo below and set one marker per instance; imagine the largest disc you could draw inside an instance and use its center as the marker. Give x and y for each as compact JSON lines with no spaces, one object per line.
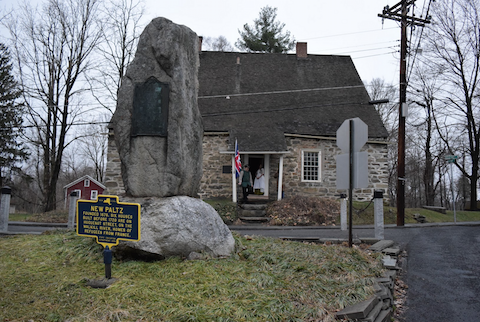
{"x":311,"y":166}
{"x":93,"y":195}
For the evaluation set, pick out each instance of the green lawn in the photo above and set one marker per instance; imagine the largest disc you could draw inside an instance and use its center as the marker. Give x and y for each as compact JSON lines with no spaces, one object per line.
{"x":363,"y":215}
{"x":44,"y":279}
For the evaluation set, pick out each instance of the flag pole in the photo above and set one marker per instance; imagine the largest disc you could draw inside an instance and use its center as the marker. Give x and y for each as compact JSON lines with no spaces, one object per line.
{"x":236,"y":168}
{"x":234,"y":180}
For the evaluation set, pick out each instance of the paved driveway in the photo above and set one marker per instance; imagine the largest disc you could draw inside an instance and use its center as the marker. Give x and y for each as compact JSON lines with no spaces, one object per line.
{"x":443,"y":275}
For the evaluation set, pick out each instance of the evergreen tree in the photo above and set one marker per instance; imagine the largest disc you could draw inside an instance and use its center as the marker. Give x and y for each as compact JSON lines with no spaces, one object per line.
{"x":11,"y":150}
{"x":266,"y":34}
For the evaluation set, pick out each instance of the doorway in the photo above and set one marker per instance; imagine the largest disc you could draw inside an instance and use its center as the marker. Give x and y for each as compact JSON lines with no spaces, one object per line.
{"x":254,"y":162}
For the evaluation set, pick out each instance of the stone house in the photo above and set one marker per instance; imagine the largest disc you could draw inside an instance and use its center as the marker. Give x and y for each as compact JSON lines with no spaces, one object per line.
{"x":284,"y":111}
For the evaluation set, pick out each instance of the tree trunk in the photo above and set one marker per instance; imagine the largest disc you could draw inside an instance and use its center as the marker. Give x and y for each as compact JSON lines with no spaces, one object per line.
{"x":429,"y":175}
{"x":473,"y":185}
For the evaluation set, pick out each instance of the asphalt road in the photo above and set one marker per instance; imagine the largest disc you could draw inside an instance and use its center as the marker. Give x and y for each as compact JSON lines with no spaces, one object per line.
{"x":32,"y":228}
{"x":442,"y":270}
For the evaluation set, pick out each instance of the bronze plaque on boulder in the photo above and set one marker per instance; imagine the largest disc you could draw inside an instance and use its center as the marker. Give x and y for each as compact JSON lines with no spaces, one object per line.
{"x":150,"y":108}
{"x":158,"y":126}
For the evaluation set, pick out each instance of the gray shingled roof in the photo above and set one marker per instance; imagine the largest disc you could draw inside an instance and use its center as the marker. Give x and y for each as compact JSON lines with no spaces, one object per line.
{"x":258,"y":98}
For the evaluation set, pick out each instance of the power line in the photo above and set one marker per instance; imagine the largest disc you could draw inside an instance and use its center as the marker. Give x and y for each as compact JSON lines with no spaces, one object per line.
{"x":280,"y":109}
{"x":358,"y":46}
{"x":348,"y":34}
{"x":390,"y":53}
{"x":363,"y":50}
{"x":228,"y":96}
{"x":415,"y":50}
{"x":44,"y":126}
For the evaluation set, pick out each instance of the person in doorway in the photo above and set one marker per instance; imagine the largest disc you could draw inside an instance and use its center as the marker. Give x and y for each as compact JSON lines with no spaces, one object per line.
{"x":259,"y":185}
{"x":245,"y":180}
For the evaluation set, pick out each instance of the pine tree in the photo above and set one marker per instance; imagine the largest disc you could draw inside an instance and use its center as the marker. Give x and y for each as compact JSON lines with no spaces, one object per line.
{"x":266,"y":34}
{"x":11,"y":150}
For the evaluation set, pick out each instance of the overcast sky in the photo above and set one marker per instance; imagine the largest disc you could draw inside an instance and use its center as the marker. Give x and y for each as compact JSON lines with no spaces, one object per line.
{"x":346,"y":27}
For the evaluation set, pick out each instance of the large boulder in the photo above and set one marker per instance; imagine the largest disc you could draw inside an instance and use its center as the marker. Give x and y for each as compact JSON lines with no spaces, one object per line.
{"x":179,"y":226}
{"x":157,"y":124}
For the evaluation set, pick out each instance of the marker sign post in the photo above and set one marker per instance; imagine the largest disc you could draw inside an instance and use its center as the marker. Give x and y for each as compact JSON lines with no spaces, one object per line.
{"x":352,"y":165}
{"x":109,"y":221}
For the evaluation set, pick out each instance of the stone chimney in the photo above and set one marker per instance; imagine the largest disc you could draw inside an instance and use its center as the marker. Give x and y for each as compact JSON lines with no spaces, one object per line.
{"x":301,"y":50}
{"x":200,"y":40}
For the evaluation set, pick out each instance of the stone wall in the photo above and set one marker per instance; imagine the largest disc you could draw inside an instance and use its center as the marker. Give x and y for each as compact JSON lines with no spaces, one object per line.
{"x":215,"y":183}
{"x":292,"y":180}
{"x":113,"y":174}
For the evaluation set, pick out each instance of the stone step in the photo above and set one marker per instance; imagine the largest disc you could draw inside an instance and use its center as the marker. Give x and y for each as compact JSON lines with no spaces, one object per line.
{"x":389,"y":262}
{"x":251,"y":213}
{"x":253,"y":206}
{"x":372,"y":316}
{"x":381,"y":245}
{"x":254,"y":219}
{"x":392,"y":251}
{"x":358,"y":311}
{"x":384,"y":316}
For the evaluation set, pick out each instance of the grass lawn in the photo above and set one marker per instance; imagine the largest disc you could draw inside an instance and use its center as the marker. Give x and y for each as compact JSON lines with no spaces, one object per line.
{"x":44,"y":279}
{"x":363,"y":215}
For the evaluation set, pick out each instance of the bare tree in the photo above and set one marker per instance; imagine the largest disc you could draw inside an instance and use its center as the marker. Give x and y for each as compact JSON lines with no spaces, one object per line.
{"x":453,"y":47}
{"x":52,"y":46}
{"x":426,"y":86}
{"x":120,"y":33}
{"x":94,"y":148}
{"x":378,"y":89}
{"x":217,"y":44}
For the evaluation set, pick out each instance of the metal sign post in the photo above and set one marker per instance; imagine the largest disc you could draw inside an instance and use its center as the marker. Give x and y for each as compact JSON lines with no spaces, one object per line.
{"x":109,"y":221}
{"x":350,"y":184}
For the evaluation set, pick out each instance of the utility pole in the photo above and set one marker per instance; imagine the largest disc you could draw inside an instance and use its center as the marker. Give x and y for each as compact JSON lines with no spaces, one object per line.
{"x":399,"y":12}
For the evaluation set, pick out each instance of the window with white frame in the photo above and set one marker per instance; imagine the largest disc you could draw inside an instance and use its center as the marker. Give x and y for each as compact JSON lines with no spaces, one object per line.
{"x":86,"y":183}
{"x":93,"y":195}
{"x":311,"y":165}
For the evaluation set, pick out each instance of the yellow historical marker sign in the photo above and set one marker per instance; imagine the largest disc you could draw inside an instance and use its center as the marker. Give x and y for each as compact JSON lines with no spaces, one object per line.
{"x":108,"y":220}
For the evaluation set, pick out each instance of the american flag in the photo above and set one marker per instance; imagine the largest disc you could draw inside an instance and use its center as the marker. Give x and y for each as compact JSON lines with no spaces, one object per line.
{"x":238,"y":163}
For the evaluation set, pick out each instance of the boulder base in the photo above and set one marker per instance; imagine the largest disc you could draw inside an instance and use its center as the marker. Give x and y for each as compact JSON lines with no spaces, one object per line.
{"x":179,"y":226}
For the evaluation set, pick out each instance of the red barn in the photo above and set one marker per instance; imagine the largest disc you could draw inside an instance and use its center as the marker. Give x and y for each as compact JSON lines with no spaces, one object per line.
{"x":87,"y":187}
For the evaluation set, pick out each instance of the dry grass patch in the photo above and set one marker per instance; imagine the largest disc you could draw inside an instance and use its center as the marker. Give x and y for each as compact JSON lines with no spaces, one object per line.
{"x":304,"y":211}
